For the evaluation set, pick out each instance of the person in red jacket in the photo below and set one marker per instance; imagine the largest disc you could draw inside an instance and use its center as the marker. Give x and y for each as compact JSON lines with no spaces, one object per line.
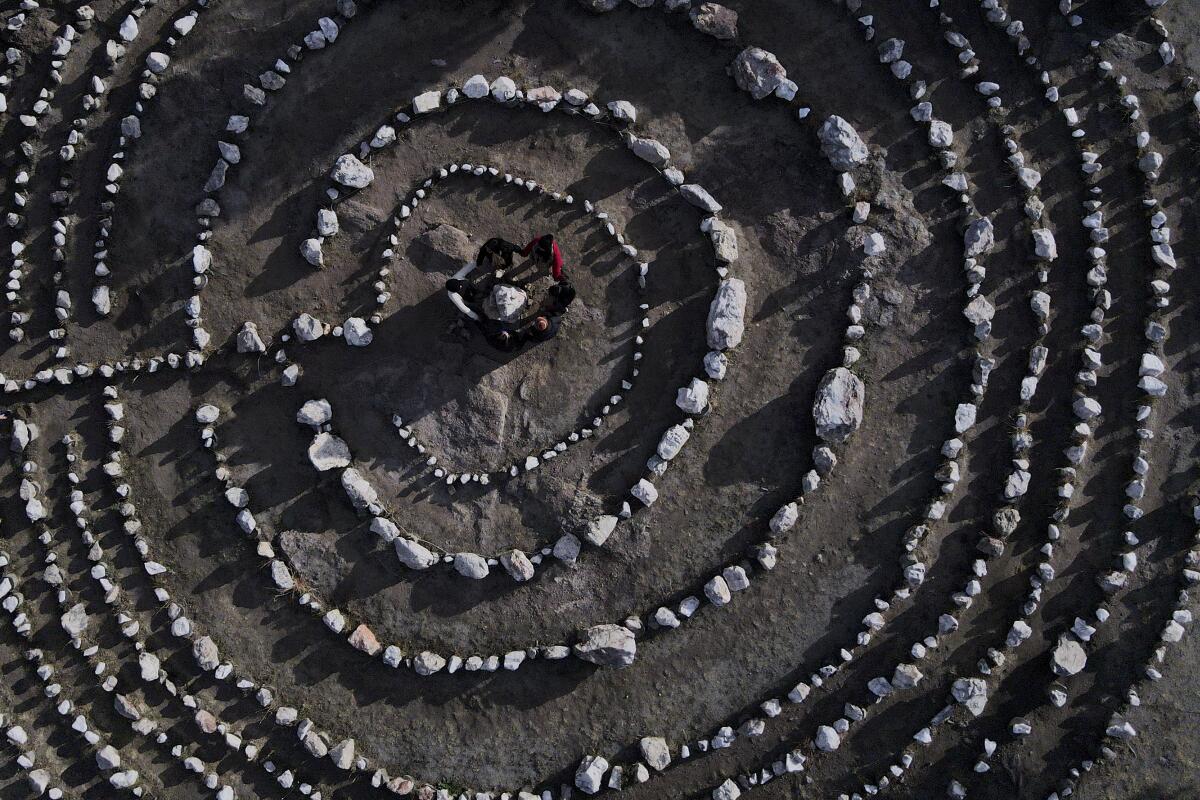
{"x":545,"y":252}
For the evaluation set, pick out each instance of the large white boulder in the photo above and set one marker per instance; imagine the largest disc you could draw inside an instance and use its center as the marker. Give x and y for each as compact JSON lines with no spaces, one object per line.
{"x":352,"y":173}
{"x":608,"y":645}
{"x":838,"y":409}
{"x":328,"y":452}
{"x":758,"y":72}
{"x":726,"y":315}
{"x":841,"y":144}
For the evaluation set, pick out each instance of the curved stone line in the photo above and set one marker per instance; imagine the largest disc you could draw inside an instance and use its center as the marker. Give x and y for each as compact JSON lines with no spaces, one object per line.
{"x":780,"y":766}
{"x":61,"y":199}
{"x":1019,"y":631}
{"x":153,"y":669}
{"x":1045,"y":570}
{"x":309,"y":329}
{"x":272,"y":80}
{"x":725,"y":324}
{"x":1149,"y":383}
{"x":157,"y":62}
{"x":1118,"y":728}
{"x":60,"y":47}
{"x":73,"y":620}
{"x":39,"y":779}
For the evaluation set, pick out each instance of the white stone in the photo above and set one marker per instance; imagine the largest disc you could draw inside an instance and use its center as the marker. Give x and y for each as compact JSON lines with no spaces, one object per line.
{"x":352,"y":173}
{"x":726,"y":315}
{"x":693,"y":398}
{"x":328,"y":452}
{"x":413,"y":554}
{"x":841,"y":144}
{"x":838,"y":408}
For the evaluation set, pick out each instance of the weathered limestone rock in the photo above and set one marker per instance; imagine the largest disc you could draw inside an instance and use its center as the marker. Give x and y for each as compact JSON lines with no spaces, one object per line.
{"x":311,"y":250}
{"x":315,"y":413}
{"x":248,"y":340}
{"x":693,"y":398}
{"x":328,"y":452}
{"x":972,"y":693}
{"x":838,"y":409}
{"x":308,"y":328}
{"x":506,"y":303}
{"x":758,"y":72}
{"x":427,"y":663}
{"x":75,"y":620}
{"x":715,"y":20}
{"x":726,"y":315}
{"x":590,"y":775}
{"x":827,"y":739}
{"x":979,"y":237}
{"x":413,"y":554}
{"x":471,"y":565}
{"x":206,"y":654}
{"x":357,"y":333}
{"x":608,"y":645}
{"x":841,"y":144}
{"x":362,"y":495}
{"x":655,"y":752}
{"x":650,"y":150}
{"x":1069,"y":657}
{"x":352,"y":173}
{"x":477,"y":86}
{"x":601,"y":528}
{"x":342,"y":754}
{"x":517,"y":565}
{"x":698,"y":196}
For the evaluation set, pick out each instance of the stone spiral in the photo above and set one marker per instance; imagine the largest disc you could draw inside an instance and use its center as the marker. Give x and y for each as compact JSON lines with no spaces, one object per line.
{"x":861,"y":466}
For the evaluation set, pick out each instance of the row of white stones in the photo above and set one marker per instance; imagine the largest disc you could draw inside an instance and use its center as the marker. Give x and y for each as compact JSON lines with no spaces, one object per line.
{"x":60,"y":48}
{"x":1077,"y":453}
{"x":1070,"y":653}
{"x":1118,"y":729}
{"x":74,"y":622}
{"x":151,"y":668}
{"x":107,"y":757}
{"x":157,"y":63}
{"x":725,"y":324}
{"x":749,"y":69}
{"x":68,"y":375}
{"x":115,"y":51}
{"x":230,"y":156}
{"x":207,"y":656}
{"x":1020,"y":631}
{"x":1044,"y":245}
{"x":308,"y":329}
{"x":975,"y":689}
{"x":40,"y":780}
{"x":60,"y":197}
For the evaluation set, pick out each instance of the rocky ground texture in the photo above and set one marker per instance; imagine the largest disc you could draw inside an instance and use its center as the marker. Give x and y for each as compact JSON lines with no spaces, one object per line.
{"x":863,"y":464}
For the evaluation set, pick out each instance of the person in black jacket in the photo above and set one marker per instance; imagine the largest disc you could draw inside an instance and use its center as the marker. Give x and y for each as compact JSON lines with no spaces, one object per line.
{"x":496,"y":252}
{"x":561,"y":295}
{"x":543,"y":328}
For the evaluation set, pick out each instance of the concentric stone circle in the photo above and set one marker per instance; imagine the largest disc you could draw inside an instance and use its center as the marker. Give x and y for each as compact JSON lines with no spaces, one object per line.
{"x":1020,"y":556}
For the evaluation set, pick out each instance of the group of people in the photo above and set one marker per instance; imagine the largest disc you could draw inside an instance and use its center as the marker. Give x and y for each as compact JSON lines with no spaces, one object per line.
{"x":497,"y":301}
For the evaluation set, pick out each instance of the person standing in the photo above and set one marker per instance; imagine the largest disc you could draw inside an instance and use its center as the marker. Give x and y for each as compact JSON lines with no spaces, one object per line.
{"x":496,"y":252}
{"x":546,"y":253}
